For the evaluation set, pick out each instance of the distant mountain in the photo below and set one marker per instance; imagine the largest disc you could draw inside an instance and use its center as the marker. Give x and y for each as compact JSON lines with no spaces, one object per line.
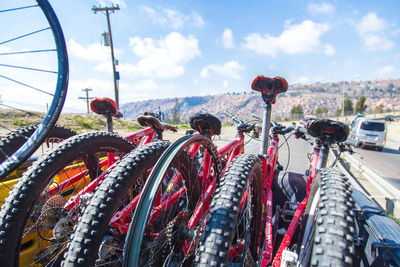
{"x":310,"y":97}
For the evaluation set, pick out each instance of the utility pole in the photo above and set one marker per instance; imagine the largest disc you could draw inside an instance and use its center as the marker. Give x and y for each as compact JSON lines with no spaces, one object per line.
{"x":108,"y":10}
{"x":87,"y":98}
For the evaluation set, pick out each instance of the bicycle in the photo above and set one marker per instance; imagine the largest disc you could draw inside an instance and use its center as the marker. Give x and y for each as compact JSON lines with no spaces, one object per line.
{"x":334,"y":186}
{"x":42,"y":208}
{"x":174,"y":238}
{"x":192,"y":172}
{"x":11,"y":57}
{"x":233,"y":231}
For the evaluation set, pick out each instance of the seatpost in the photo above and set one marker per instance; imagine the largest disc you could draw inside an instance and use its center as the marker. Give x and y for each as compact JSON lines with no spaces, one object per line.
{"x":109,"y":123}
{"x":265,"y":128}
{"x":323,"y":155}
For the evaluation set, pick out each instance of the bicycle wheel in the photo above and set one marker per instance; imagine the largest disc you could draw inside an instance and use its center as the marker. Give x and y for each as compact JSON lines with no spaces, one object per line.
{"x":329,"y":237}
{"x":39,"y":74}
{"x":100,"y":233}
{"x":35,"y":222}
{"x":170,"y":216}
{"x":13,"y":140}
{"x":233,"y":229}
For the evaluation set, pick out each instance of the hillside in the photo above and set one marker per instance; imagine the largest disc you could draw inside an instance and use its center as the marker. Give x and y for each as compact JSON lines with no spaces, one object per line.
{"x":310,"y":97}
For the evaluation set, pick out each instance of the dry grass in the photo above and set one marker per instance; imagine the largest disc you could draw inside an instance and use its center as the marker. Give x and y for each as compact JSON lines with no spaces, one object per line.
{"x":12,"y":119}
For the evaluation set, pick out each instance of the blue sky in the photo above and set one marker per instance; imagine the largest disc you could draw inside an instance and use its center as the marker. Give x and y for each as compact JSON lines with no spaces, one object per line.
{"x":186,"y":47}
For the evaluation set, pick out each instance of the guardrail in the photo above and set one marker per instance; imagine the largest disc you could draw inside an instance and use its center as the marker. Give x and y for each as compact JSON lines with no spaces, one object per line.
{"x":388,"y":192}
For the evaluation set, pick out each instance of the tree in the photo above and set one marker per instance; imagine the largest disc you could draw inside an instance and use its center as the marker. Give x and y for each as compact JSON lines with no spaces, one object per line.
{"x":175,"y":112}
{"x":348,"y":107}
{"x":320,"y":112}
{"x":360,"y":105}
{"x":379,"y":108}
{"x":296,"y":112}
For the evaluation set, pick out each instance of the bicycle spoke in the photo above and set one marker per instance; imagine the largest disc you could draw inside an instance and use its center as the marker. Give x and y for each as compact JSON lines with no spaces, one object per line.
{"x":24,"y":35}
{"x":27,"y":68}
{"x":17,"y":8}
{"x":26,"y":85}
{"x":28,"y":52}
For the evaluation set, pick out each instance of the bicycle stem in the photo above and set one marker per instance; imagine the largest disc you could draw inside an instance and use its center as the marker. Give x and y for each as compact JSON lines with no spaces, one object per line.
{"x":265,"y":128}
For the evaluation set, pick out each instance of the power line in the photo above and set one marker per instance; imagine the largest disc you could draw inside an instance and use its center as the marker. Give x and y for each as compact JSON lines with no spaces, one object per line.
{"x":108,"y":10}
{"x":87,"y":98}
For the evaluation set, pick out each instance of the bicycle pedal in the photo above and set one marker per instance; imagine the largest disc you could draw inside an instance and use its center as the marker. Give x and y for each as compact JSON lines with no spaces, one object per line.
{"x":281,"y":231}
{"x":279,"y":166}
{"x":288,"y":211}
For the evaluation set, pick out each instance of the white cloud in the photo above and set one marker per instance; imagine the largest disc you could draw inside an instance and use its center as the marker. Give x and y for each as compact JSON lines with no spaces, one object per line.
{"x":329,"y":50}
{"x":229,"y":69}
{"x":371,"y":23}
{"x":322,"y":8}
{"x":93,"y":52}
{"x":300,"y":79}
{"x":225,"y":84}
{"x":305,"y":79}
{"x":120,"y":3}
{"x":372,"y":31}
{"x":295,"y":39}
{"x":227,"y":38}
{"x":384,"y":70}
{"x":164,"y":58}
{"x":172,"y":17}
{"x":197,"y":19}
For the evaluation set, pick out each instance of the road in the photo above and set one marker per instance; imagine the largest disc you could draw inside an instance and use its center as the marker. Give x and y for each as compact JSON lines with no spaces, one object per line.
{"x":386,"y":163}
{"x":297,"y":158}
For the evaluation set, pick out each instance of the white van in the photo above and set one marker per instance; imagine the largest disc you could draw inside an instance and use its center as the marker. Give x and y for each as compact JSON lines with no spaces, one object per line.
{"x":371,"y":132}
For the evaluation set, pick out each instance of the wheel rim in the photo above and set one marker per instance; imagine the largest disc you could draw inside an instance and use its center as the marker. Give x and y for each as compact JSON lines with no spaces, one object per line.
{"x":57,"y":98}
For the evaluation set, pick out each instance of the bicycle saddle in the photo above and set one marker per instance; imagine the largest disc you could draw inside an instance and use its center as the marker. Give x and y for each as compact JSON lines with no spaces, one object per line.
{"x":150,"y":121}
{"x":205,"y":124}
{"x":269,"y":87}
{"x":320,"y":127}
{"x":105,"y":106}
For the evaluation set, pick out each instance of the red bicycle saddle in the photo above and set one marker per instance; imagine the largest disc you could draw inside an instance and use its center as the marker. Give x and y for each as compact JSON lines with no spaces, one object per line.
{"x":150,"y":121}
{"x":104,"y":106}
{"x":269,"y":87}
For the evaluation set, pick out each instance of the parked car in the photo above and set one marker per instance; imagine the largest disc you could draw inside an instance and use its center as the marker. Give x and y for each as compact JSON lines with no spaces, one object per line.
{"x":389,"y":117}
{"x":371,"y":132}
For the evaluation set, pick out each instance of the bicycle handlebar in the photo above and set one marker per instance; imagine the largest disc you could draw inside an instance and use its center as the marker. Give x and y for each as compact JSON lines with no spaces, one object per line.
{"x":256,"y":116}
{"x":354,"y":143}
{"x":234,"y":118}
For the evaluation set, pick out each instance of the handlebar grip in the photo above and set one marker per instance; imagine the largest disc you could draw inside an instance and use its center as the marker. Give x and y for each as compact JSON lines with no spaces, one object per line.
{"x":301,"y":130}
{"x":228,"y":114}
{"x":303,"y":122}
{"x":288,"y":129}
{"x":256,"y":116}
{"x":232,"y":117}
{"x":273,"y":123}
{"x":354,"y":143}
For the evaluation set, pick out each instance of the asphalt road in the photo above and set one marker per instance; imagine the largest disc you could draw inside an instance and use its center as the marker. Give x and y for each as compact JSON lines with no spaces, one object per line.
{"x":296,"y":154}
{"x":385,"y":163}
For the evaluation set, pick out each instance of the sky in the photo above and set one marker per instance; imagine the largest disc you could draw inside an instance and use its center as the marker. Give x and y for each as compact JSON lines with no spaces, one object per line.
{"x":184,"y":48}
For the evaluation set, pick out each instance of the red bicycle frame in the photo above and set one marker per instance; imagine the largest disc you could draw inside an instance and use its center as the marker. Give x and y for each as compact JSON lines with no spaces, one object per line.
{"x":314,"y":161}
{"x":121,"y":220}
{"x":144,"y":136}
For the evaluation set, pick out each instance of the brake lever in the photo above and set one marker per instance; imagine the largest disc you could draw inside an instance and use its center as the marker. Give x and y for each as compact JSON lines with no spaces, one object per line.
{"x":358,"y":154}
{"x":352,"y":152}
{"x":308,"y":140}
